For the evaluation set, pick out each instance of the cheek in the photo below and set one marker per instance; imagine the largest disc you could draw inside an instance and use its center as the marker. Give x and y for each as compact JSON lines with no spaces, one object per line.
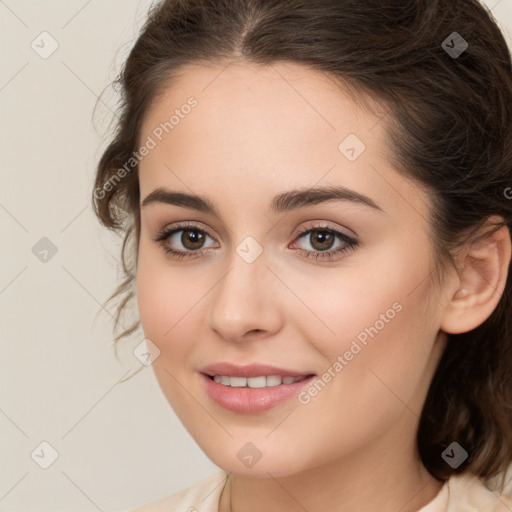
{"x":166,"y":308}
{"x":164,"y":300}
{"x":374,"y":329}
{"x":155,"y":301}
{"x":172,"y":305}
{"x":164,"y":294}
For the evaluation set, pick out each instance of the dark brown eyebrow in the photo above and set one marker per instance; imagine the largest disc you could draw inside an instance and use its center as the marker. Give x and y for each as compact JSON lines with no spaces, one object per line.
{"x":285,"y":202}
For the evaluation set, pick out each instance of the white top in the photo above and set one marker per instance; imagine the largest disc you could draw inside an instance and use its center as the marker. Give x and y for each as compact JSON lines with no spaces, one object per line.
{"x":461,"y":493}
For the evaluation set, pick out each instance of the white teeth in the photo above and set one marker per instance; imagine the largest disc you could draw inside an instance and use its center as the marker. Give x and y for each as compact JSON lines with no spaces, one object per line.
{"x":256,"y":382}
{"x":273,"y":380}
{"x":237,"y":382}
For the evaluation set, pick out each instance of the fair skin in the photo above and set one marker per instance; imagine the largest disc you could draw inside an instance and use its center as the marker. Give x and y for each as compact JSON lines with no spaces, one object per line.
{"x":256,"y":132}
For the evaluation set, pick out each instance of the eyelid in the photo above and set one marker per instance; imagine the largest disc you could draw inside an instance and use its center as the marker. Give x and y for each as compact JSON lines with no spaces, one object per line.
{"x":322,"y":224}
{"x":182,"y":225}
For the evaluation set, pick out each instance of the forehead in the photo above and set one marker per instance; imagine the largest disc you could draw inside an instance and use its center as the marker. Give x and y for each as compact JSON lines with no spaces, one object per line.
{"x":265,"y":129}
{"x":283,"y":99}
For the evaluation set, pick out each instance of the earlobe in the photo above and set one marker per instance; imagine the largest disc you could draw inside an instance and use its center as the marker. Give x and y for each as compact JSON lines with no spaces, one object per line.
{"x":482,"y":275}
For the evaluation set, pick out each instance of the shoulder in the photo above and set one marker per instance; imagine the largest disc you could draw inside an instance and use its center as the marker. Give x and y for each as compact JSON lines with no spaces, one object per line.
{"x":201,"y":497}
{"x":467,"y":492}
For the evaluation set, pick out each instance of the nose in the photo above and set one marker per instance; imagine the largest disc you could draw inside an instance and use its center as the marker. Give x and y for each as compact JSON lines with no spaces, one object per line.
{"x":245,"y":303}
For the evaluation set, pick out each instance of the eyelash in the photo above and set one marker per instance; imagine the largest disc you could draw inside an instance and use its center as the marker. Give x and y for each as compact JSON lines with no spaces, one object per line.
{"x":350,"y":243}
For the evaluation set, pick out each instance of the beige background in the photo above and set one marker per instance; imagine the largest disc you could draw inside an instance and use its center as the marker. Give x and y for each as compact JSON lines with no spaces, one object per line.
{"x":119,"y":444}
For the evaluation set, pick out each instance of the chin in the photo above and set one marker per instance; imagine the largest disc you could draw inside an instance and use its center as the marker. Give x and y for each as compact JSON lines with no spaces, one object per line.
{"x":236,"y":458}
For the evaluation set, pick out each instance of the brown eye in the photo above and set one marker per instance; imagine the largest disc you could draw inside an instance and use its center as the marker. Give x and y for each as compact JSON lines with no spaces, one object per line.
{"x":183,"y":241}
{"x":321,"y":240}
{"x":192,"y":239}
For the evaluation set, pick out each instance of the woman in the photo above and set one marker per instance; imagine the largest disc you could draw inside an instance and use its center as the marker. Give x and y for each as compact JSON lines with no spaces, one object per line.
{"x":317,"y":195}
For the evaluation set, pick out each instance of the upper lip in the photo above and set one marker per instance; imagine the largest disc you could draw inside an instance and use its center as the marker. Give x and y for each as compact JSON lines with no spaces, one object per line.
{"x":250,"y":370}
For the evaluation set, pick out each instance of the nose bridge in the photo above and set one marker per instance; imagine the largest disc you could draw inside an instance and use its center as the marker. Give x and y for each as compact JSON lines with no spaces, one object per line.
{"x":244,"y":298}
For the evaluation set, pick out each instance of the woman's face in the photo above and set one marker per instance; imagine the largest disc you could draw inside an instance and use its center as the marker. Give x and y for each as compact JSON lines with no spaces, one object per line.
{"x":252,"y":289}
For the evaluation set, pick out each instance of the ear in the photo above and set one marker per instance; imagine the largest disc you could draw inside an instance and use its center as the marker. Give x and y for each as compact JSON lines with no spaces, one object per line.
{"x":483,"y":275}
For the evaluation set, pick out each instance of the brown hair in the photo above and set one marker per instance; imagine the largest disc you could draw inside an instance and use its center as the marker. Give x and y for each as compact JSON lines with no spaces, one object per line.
{"x":449,"y":125}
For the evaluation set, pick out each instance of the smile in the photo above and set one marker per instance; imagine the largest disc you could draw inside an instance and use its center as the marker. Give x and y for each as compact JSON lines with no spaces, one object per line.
{"x":250,"y":395}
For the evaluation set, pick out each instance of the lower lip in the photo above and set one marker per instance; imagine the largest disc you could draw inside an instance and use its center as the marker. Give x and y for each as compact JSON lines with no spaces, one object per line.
{"x":252,"y":400}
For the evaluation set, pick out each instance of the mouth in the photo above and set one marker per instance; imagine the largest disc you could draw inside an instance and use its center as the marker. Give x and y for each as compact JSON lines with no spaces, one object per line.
{"x":253,"y":388}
